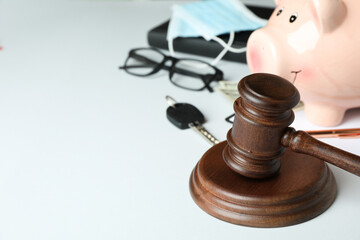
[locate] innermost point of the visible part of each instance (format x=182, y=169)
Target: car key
x=184, y=116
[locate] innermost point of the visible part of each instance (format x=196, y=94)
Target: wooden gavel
x=267, y=174
x=260, y=132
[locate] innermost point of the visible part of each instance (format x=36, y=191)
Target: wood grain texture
x=267, y=174
x=262, y=114
x=253, y=178
x=303, y=188
x=302, y=142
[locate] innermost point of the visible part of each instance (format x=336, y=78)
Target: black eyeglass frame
x=207, y=79
x=229, y=119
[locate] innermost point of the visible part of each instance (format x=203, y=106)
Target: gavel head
x=262, y=113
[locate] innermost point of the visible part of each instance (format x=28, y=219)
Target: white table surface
x=86, y=151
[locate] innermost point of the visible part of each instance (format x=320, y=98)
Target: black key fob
x=182, y=114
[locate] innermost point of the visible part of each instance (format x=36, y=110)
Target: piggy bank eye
x=293, y=17
x=280, y=11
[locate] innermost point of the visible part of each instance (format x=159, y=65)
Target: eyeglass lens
x=192, y=74
x=143, y=61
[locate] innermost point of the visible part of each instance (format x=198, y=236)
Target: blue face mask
x=210, y=18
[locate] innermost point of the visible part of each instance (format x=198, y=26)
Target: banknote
x=230, y=91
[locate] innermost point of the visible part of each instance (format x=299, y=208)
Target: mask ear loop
x=171, y=47
x=225, y=50
x=227, y=47
x=170, y=39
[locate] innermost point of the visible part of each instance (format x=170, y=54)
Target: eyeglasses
x=189, y=74
x=230, y=119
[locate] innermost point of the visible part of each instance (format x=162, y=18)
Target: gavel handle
x=301, y=142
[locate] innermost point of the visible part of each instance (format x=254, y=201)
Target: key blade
x=199, y=128
x=171, y=101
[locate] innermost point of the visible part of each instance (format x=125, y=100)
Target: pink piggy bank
x=315, y=45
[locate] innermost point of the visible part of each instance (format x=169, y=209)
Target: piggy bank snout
x=263, y=53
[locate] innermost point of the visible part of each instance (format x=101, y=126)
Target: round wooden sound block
x=302, y=189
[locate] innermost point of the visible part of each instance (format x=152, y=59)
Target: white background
x=86, y=151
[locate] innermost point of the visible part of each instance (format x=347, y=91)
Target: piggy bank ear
x=277, y=2
x=328, y=14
